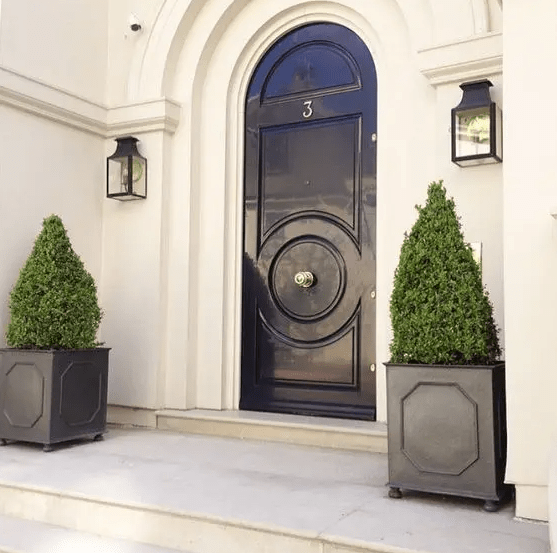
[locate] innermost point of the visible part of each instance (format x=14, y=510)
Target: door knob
x=304, y=279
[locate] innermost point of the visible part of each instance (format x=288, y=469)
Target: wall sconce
x=126, y=171
x=476, y=127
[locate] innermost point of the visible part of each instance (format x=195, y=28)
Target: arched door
x=308, y=321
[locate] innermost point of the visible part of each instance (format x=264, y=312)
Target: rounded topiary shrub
x=440, y=311
x=53, y=304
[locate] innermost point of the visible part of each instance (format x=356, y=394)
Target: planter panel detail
x=447, y=429
x=53, y=396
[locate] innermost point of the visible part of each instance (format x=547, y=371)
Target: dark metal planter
x=447, y=430
x=52, y=396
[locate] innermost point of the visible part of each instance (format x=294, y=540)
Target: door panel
x=331, y=69
x=291, y=183
x=308, y=318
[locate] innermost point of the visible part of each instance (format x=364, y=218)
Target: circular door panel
x=307, y=278
x=307, y=264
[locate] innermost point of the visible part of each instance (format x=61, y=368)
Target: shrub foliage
x=440, y=311
x=54, y=302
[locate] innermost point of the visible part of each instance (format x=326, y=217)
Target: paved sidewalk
x=295, y=488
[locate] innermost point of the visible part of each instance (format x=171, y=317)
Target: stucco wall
x=57, y=42
x=46, y=168
x=52, y=84
x=132, y=286
x=530, y=245
x=123, y=44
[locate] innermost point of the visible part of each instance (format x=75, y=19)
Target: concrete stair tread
x=344, y=434
x=208, y=494
x=27, y=536
x=280, y=419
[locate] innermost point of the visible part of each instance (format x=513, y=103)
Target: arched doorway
x=308, y=313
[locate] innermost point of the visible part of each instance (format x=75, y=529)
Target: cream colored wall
x=51, y=154
x=530, y=246
x=132, y=285
x=46, y=168
x=123, y=44
x=57, y=42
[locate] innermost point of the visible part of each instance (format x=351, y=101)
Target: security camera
x=134, y=23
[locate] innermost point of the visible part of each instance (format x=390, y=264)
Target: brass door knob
x=304, y=279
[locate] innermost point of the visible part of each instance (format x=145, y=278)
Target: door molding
x=214, y=149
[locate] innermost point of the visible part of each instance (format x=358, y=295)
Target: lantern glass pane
x=139, y=176
x=117, y=175
x=499, y=133
x=473, y=132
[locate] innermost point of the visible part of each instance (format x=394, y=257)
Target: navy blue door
x=308, y=321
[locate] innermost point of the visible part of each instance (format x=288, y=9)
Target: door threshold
x=343, y=434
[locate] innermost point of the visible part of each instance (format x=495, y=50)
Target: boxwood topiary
x=440, y=311
x=53, y=304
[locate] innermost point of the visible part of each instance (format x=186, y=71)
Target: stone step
x=85, y=523
x=27, y=536
x=206, y=494
x=348, y=435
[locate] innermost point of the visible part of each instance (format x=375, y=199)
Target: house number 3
x=308, y=110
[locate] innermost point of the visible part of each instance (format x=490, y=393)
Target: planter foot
x=47, y=448
x=3, y=441
x=395, y=493
x=491, y=506
x=98, y=438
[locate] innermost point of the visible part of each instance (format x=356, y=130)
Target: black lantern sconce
x=476, y=127
x=126, y=171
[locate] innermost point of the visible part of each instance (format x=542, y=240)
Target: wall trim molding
x=473, y=58
x=43, y=100
x=161, y=114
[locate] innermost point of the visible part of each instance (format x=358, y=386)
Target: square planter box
x=52, y=396
x=447, y=430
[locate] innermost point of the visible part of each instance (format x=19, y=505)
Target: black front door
x=308, y=322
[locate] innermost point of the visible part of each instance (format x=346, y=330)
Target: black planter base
x=447, y=431
x=395, y=493
x=52, y=396
x=51, y=447
x=490, y=505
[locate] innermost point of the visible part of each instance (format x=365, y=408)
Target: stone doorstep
x=27, y=536
x=146, y=529
x=203, y=494
x=349, y=435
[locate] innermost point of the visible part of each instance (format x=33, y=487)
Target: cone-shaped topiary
x=440, y=312
x=54, y=302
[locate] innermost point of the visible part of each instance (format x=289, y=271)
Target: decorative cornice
x=43, y=100
x=153, y=115
x=474, y=58
x=38, y=98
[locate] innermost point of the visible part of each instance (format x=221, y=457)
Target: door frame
x=203, y=168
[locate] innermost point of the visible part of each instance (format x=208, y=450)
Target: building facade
x=170, y=268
